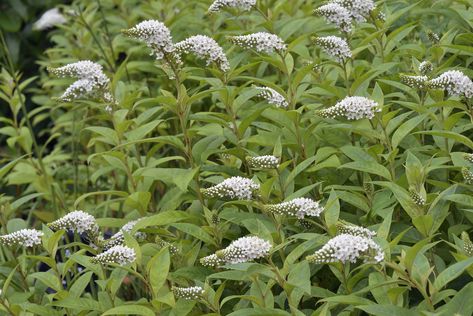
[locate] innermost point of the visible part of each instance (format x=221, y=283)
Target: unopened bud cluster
x=243, y=249
x=417, y=198
x=468, y=157
x=417, y=82
x=188, y=293
x=244, y=5
x=467, y=175
x=234, y=188
x=161, y=243
x=299, y=207
x=24, y=238
x=467, y=244
x=350, y=229
x=263, y=162
x=120, y=255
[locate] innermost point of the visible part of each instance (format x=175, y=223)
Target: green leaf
x=452, y=272
x=158, y=269
x=405, y=129
x=130, y=310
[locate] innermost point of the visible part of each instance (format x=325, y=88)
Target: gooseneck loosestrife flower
x=272, y=97
x=335, y=46
x=263, y=162
x=119, y=237
x=120, y=255
x=352, y=108
x=244, y=5
x=50, y=18
x=188, y=293
x=348, y=248
x=467, y=244
x=204, y=48
x=358, y=9
x=350, y=229
x=234, y=188
x=417, y=82
x=92, y=83
x=156, y=36
x=337, y=15
x=299, y=207
x=262, y=42
x=76, y=221
x=243, y=249
x=24, y=238
x=455, y=82
x=426, y=67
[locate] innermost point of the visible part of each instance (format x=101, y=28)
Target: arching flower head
x=244, y=5
x=121, y=255
x=262, y=42
x=76, y=221
x=234, y=188
x=188, y=293
x=244, y=249
x=204, y=48
x=263, y=162
x=24, y=238
x=352, y=108
x=337, y=15
x=335, y=46
x=299, y=207
x=455, y=82
x=348, y=248
x=92, y=83
x=350, y=229
x=272, y=97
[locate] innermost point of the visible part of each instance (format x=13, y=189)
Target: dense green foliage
x=169, y=131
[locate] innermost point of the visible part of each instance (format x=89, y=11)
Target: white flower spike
x=25, y=238
x=262, y=42
x=204, y=48
x=335, y=46
x=234, y=188
x=120, y=255
x=272, y=97
x=348, y=248
x=244, y=5
x=352, y=108
x=299, y=207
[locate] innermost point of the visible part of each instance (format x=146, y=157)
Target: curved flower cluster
x=417, y=198
x=92, y=82
x=121, y=255
x=156, y=36
x=299, y=207
x=76, y=221
x=337, y=15
x=467, y=175
x=244, y=5
x=350, y=229
x=262, y=42
x=263, y=162
x=237, y=188
x=468, y=157
x=348, y=248
x=335, y=46
x=353, y=108
x=205, y=48
x=467, y=244
x=24, y=238
x=119, y=237
x=358, y=9
x=244, y=249
x=426, y=67
x=188, y=293
x=433, y=37
x=272, y=97
x=161, y=243
x=418, y=82
x=455, y=82
x=212, y=261
x=49, y=19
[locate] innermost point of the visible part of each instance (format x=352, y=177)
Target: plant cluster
x=240, y=157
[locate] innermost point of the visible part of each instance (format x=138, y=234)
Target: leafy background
x=159, y=146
